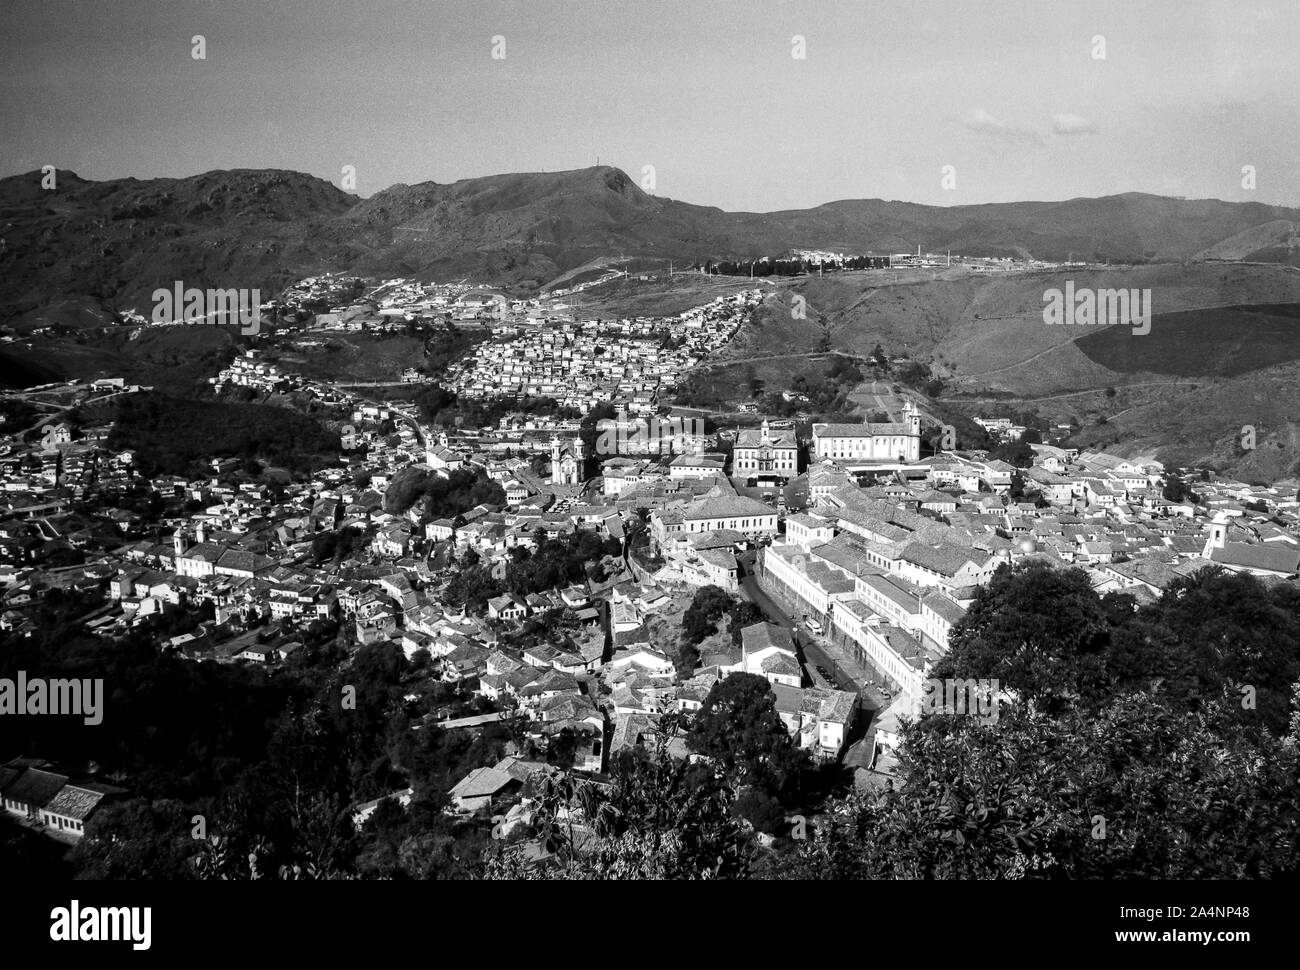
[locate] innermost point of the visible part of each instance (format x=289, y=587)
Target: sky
x=943, y=102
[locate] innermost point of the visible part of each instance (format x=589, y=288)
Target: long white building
x=894, y=441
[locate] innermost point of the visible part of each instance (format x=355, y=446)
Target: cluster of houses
x=886, y=571
x=582, y=364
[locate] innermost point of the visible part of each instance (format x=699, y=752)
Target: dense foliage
x=554, y=563
x=175, y=436
x=1152, y=741
x=443, y=496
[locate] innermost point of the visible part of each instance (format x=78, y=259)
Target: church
x=864, y=444
x=566, y=463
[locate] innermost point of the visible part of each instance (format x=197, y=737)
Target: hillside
x=1273, y=242
x=1223, y=352
x=175, y=359
x=90, y=246
x=86, y=247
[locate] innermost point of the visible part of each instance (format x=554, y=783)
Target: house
x=366, y=809
x=439, y=529
x=507, y=606
x=696, y=466
x=712, y=513
x=476, y=790
x=68, y=811
x=819, y=718
x=768, y=651
x=29, y=787
x=806, y=530
x=444, y=459
x=641, y=657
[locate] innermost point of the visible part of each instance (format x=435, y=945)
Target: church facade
x=893, y=441
x=566, y=463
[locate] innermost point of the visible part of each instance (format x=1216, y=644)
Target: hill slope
x=89, y=246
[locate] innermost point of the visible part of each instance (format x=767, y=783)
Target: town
x=589, y=597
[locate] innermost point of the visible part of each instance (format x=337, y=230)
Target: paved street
x=847, y=673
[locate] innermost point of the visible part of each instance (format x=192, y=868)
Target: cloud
x=1067, y=124
x=984, y=123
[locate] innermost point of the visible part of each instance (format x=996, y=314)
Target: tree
x=1135, y=790
x=1176, y=490
x=138, y=839
x=743, y=614
x=1226, y=636
x=761, y=810
x=1038, y=631
x=738, y=726
x=701, y=618
x=663, y=819
x=1017, y=453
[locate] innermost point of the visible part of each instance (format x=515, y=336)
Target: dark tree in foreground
x=1136, y=791
x=739, y=728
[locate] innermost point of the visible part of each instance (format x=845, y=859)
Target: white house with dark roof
x=768, y=651
x=736, y=512
x=67, y=812
x=819, y=718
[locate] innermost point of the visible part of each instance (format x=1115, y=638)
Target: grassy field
x=1222, y=342
x=354, y=357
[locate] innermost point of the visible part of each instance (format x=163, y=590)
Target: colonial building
x=764, y=456
x=894, y=441
x=566, y=463
x=747, y=516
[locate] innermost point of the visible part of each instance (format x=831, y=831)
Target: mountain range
x=69, y=253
